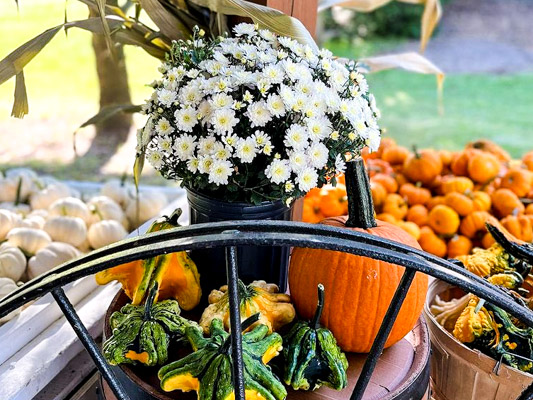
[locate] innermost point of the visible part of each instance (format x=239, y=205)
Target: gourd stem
x=19, y=189
x=320, y=306
x=173, y=219
x=150, y=301
x=360, y=205
x=225, y=348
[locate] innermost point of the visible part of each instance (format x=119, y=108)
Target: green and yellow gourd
x=141, y=334
x=208, y=370
x=311, y=355
x=176, y=273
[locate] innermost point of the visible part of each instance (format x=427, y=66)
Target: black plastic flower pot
x=255, y=262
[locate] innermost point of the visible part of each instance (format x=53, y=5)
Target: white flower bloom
x=193, y=164
x=267, y=35
x=340, y=165
x=221, y=151
x=246, y=150
x=186, y=119
x=163, y=127
x=307, y=179
x=244, y=29
x=278, y=171
x=298, y=160
x=319, y=128
x=274, y=73
x=291, y=69
x=300, y=102
x=374, y=139
x=261, y=138
x=184, y=146
x=258, y=113
x=289, y=186
x=220, y=171
x=264, y=86
x=165, y=144
x=155, y=158
x=190, y=94
x=230, y=140
x=206, y=145
x=304, y=87
x=204, y=111
x=296, y=137
x=275, y=105
x=166, y=97
x=334, y=135
x=318, y=155
x=267, y=149
x=221, y=100
x=287, y=95
x=248, y=97
x=224, y=120
x=204, y=164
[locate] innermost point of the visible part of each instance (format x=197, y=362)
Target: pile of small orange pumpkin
x=441, y=198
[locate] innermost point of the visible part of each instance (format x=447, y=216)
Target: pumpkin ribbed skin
x=360, y=290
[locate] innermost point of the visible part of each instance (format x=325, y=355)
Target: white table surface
x=38, y=343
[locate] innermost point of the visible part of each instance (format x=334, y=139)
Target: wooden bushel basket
x=460, y=373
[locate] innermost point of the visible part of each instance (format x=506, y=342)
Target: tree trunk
x=114, y=89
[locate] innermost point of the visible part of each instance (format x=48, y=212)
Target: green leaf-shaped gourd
x=311, y=355
x=142, y=333
x=208, y=370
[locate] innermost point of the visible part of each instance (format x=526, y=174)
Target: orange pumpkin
x=459, y=165
x=490, y=147
x=446, y=157
x=461, y=203
x=379, y=193
x=391, y=219
x=505, y=202
x=334, y=202
x=435, y=201
x=387, y=181
x=311, y=210
x=474, y=224
x=422, y=166
x=527, y=160
x=400, y=179
x=418, y=214
x=414, y=194
x=444, y=220
x=376, y=166
x=517, y=180
x=431, y=242
x=459, y=184
x=529, y=209
x=519, y=226
x=411, y=228
x=395, y=154
x=359, y=287
x=395, y=205
x=481, y=200
x=483, y=167
x=459, y=245
x=487, y=240
x=385, y=143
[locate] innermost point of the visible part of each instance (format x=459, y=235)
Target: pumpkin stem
x=320, y=306
x=19, y=189
x=173, y=219
x=415, y=150
x=123, y=179
x=360, y=206
x=150, y=301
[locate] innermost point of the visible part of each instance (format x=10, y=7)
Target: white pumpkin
x=7, y=286
x=85, y=247
x=20, y=208
x=71, y=230
x=10, y=184
x=29, y=240
x=117, y=190
x=31, y=221
x=70, y=207
x=38, y=213
x=45, y=197
x=12, y=262
x=105, y=232
x=149, y=205
x=8, y=221
x=103, y=207
x=51, y=256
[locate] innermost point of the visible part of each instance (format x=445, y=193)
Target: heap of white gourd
x=44, y=223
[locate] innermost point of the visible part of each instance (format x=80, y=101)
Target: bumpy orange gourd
x=395, y=205
x=517, y=180
x=360, y=288
x=461, y=203
x=444, y=220
x=418, y=214
x=431, y=242
x=459, y=184
x=490, y=147
x=414, y=194
x=483, y=167
x=435, y=201
x=387, y=181
x=474, y=224
x=422, y=166
x=459, y=165
x=519, y=226
x=482, y=201
x=459, y=245
x=395, y=155
x=334, y=201
x=505, y=202
x=379, y=193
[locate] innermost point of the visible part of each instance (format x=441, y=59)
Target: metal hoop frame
x=230, y=234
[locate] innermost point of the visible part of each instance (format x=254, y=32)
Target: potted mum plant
x=249, y=123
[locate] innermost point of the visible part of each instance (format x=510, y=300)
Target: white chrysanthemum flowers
x=266, y=115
